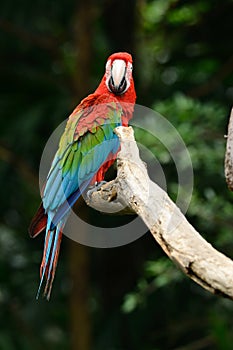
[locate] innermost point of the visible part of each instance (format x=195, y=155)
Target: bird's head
x=118, y=74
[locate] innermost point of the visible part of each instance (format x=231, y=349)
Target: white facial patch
x=116, y=71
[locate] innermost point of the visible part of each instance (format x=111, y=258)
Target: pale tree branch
x=181, y=242
x=229, y=154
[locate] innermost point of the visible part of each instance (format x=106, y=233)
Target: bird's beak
x=118, y=81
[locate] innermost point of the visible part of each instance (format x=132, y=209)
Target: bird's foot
x=95, y=188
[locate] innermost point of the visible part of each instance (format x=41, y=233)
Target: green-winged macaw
x=86, y=150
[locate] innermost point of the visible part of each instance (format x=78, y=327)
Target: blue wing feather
x=71, y=172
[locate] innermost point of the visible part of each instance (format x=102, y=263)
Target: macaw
x=87, y=148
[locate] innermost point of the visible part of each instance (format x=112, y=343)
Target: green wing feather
x=85, y=145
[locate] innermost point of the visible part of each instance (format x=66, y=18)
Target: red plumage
x=39, y=221
x=122, y=92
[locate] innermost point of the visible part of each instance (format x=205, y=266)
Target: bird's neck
x=127, y=100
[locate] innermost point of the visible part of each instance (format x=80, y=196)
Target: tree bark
x=229, y=154
x=181, y=242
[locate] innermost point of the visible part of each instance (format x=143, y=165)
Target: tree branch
x=181, y=242
x=229, y=154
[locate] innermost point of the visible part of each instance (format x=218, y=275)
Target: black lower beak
x=118, y=89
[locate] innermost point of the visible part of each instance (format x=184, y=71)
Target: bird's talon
x=95, y=188
x=99, y=184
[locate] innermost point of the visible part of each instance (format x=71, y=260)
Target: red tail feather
x=38, y=223
x=50, y=271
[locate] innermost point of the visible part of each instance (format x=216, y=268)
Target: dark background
x=132, y=297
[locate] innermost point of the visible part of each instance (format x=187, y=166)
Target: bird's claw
x=95, y=188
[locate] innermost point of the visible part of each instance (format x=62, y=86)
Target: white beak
x=118, y=72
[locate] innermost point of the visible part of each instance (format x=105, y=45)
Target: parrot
x=86, y=150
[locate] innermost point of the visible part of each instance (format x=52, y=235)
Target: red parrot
x=87, y=148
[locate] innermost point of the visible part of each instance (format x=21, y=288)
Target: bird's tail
x=50, y=258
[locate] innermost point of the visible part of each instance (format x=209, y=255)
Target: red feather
x=39, y=222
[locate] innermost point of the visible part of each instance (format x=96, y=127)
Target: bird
x=87, y=148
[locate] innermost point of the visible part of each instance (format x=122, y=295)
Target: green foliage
x=157, y=274
x=183, y=70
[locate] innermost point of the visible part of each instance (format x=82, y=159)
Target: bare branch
x=181, y=242
x=107, y=200
x=229, y=154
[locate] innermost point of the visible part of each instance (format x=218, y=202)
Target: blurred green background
x=132, y=297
